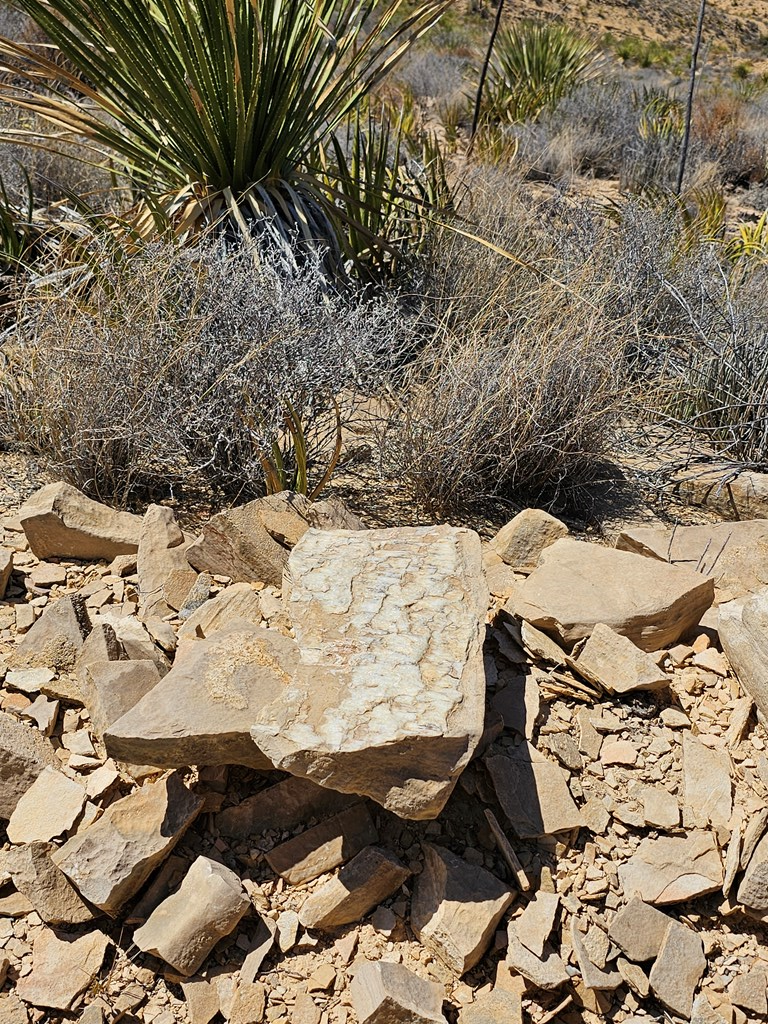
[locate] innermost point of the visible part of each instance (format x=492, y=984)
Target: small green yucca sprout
x=536, y=64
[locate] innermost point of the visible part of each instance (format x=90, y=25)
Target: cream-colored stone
x=50, y=807
x=62, y=968
x=521, y=542
x=616, y=664
x=672, y=870
x=238, y=602
x=61, y=522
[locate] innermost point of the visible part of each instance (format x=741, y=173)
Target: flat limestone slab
x=201, y=712
x=388, y=699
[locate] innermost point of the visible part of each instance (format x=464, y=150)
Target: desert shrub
x=181, y=365
x=732, y=132
x=431, y=74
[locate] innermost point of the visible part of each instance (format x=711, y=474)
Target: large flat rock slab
x=24, y=755
x=202, y=711
x=578, y=585
x=388, y=699
x=743, y=631
x=61, y=522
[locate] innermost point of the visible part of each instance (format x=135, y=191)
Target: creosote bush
x=179, y=365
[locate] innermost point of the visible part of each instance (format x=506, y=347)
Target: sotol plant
x=214, y=109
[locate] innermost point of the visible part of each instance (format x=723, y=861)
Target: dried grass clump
x=178, y=365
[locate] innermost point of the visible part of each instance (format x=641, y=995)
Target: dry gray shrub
x=176, y=365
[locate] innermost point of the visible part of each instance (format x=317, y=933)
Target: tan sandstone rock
x=24, y=754
x=678, y=969
x=61, y=522
x=238, y=602
x=578, y=585
x=50, y=807
x=62, y=968
x=46, y=887
x=6, y=567
x=388, y=700
x=521, y=542
x=114, y=687
x=370, y=877
x=672, y=870
x=57, y=636
x=743, y=631
x=386, y=993
x=616, y=664
x=161, y=552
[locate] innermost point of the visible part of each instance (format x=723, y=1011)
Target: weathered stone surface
x=100, y=645
x=660, y=808
x=456, y=907
x=283, y=806
x=547, y=971
x=578, y=585
x=735, y=555
x=497, y=1007
x=370, y=877
x=162, y=551
x=703, y=1012
x=389, y=698
x=743, y=630
x=62, y=968
x=384, y=993
x=615, y=663
x=6, y=568
x=238, y=602
x=202, y=998
x=177, y=586
x=114, y=687
x=535, y=924
x=185, y=927
x=50, y=807
x=24, y=753
x=46, y=887
x=741, y=495
x=111, y=859
x=225, y=682
x=533, y=792
x=521, y=542
x=12, y=1010
x=706, y=783
x=61, y=522
x=671, y=870
x=753, y=891
x=134, y=639
x=249, y=1003
x=324, y=847
x=678, y=969
x=56, y=638
x=592, y=976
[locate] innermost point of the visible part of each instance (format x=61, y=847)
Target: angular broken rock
x=616, y=664
x=456, y=907
x=546, y=971
x=496, y=1007
x=592, y=976
x=50, y=807
x=111, y=859
x=201, y=712
x=46, y=887
x=753, y=891
x=388, y=700
x=370, y=877
x=134, y=641
x=324, y=847
x=533, y=792
x=6, y=567
x=61, y=522
x=24, y=753
x=240, y=601
x=578, y=585
x=671, y=870
x=386, y=993
x=114, y=687
x=185, y=927
x=706, y=782
x=56, y=638
x=534, y=925
x=162, y=550
x=62, y=968
x=521, y=542
x=678, y=969
x=639, y=929
x=283, y=806
x=743, y=631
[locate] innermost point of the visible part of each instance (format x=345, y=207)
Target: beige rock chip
x=671, y=870
x=185, y=927
x=324, y=847
x=616, y=664
x=535, y=924
x=370, y=877
x=202, y=999
x=521, y=542
x=678, y=969
x=389, y=698
x=456, y=907
x=56, y=638
x=734, y=555
x=100, y=645
x=114, y=687
x=62, y=968
x=660, y=808
x=743, y=630
x=578, y=585
x=61, y=522
x=546, y=971
x=249, y=1003
x=592, y=976
x=50, y=807
x=111, y=859
x=134, y=639
x=702, y=1012
x=12, y=1010
x=283, y=806
x=48, y=889
x=706, y=783
x=496, y=1007
x=6, y=568
x=162, y=551
x=753, y=891
x=533, y=792
x=24, y=753
x=238, y=602
x=226, y=681
x=749, y=991
x=387, y=993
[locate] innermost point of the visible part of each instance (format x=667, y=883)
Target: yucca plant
x=534, y=65
x=213, y=109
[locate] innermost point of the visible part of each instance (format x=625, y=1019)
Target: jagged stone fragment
x=324, y=847
x=672, y=870
x=370, y=877
x=385, y=993
x=283, y=806
x=46, y=887
x=521, y=541
x=61, y=522
x=50, y=807
x=161, y=552
x=57, y=636
x=62, y=968
x=24, y=753
x=678, y=969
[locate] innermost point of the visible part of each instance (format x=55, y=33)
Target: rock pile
x=296, y=770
